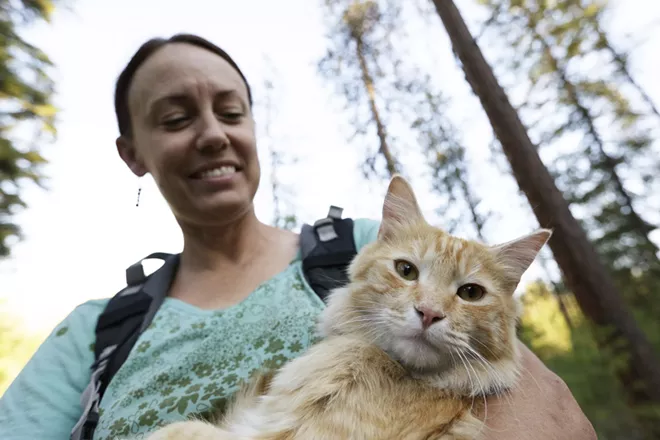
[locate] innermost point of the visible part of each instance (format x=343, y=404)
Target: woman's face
x=193, y=132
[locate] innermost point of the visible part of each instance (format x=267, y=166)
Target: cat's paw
x=189, y=430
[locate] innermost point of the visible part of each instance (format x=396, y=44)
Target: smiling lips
x=220, y=171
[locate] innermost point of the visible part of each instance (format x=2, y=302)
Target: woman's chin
x=219, y=210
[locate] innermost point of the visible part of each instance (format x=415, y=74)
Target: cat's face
x=431, y=300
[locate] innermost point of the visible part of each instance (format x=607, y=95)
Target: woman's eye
x=174, y=123
x=232, y=116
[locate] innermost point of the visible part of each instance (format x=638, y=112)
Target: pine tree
x=551, y=44
x=585, y=275
x=26, y=92
x=391, y=96
x=447, y=158
x=358, y=35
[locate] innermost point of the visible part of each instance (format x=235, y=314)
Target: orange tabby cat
x=425, y=326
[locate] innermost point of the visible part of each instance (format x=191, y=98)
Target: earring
x=137, y=203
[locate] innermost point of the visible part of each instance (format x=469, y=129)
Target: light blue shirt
x=189, y=360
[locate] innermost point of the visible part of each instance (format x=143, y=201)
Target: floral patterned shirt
x=189, y=361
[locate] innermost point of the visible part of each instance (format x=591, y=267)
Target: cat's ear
x=400, y=207
x=517, y=255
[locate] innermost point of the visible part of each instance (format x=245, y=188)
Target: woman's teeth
x=216, y=172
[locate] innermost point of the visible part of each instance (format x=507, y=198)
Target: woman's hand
x=541, y=407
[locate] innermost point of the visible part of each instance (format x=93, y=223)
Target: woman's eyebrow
x=173, y=98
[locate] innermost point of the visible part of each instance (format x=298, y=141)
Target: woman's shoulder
x=365, y=230
x=82, y=317
x=90, y=307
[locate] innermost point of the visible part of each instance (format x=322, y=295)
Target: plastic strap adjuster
x=325, y=229
x=89, y=400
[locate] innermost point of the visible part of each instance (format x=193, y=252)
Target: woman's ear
x=128, y=153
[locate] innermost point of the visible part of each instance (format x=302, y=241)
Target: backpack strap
x=125, y=317
x=327, y=248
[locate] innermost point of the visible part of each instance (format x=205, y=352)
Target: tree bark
x=585, y=275
x=368, y=81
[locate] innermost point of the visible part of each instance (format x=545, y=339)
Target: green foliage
x=361, y=63
x=552, y=43
x=25, y=105
x=446, y=157
x=16, y=347
x=580, y=361
x=600, y=146
x=397, y=106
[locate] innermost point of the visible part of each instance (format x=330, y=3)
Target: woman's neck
x=229, y=244
x=219, y=267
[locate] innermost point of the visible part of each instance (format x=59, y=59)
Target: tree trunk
x=585, y=275
x=564, y=311
x=368, y=81
x=472, y=205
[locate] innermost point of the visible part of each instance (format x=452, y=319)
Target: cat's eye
x=406, y=270
x=471, y=292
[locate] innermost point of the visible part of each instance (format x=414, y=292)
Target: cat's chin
x=469, y=379
x=446, y=369
x=418, y=355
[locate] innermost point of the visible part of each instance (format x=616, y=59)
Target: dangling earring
x=137, y=203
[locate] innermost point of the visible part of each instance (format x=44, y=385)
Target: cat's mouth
x=422, y=353
x=425, y=335
x=423, y=341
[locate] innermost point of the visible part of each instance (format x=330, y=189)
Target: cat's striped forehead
x=436, y=245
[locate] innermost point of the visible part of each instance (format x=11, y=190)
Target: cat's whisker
x=502, y=392
x=376, y=330
x=452, y=349
x=489, y=369
x=483, y=425
x=473, y=339
x=467, y=370
x=483, y=361
x=482, y=388
x=451, y=353
x=498, y=385
x=487, y=364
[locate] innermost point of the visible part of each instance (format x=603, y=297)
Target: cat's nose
x=428, y=316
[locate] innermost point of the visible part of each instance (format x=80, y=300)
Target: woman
x=238, y=300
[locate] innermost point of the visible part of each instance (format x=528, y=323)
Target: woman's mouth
x=221, y=171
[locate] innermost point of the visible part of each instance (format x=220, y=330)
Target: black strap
x=327, y=249
x=125, y=317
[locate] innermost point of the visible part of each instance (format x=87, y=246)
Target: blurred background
x=348, y=92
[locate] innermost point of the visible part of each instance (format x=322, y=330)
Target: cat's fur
x=378, y=374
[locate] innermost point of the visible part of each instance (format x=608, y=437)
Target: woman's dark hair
x=143, y=53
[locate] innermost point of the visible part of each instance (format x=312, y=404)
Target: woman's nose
x=212, y=135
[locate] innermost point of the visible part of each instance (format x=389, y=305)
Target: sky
x=83, y=232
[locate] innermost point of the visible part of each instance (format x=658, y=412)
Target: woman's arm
x=44, y=400
x=541, y=407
